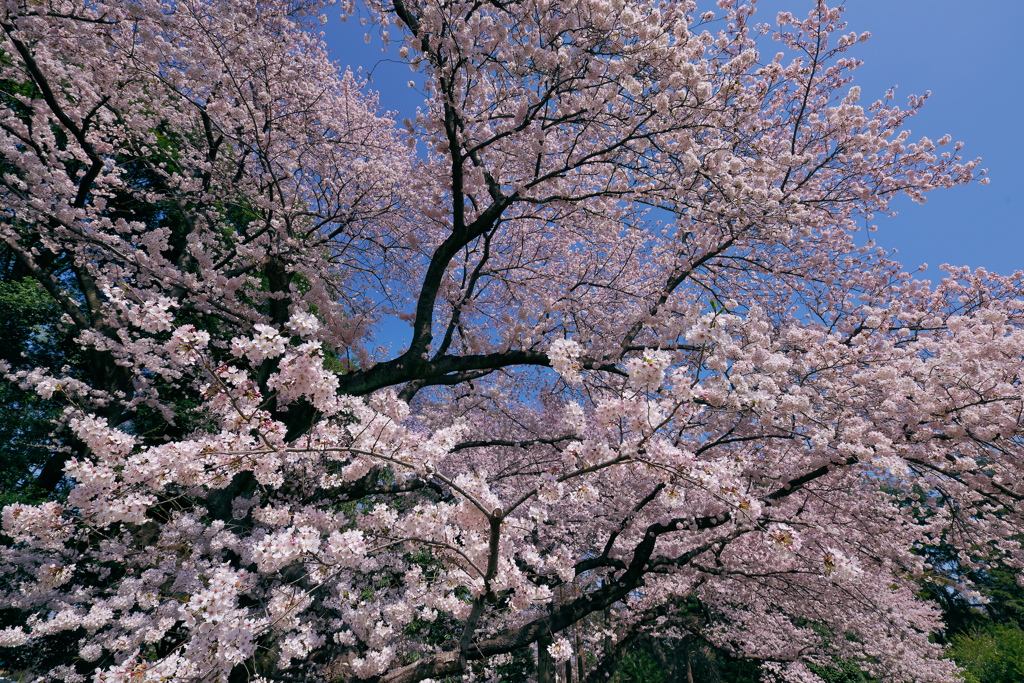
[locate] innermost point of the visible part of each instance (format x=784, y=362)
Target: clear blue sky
x=968, y=53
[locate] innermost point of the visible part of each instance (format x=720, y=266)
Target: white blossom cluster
x=564, y=355
x=647, y=371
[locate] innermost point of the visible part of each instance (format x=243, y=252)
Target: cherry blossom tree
x=649, y=364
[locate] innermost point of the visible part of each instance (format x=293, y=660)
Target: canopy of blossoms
x=650, y=358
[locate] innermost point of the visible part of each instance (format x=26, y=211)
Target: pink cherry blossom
x=648, y=363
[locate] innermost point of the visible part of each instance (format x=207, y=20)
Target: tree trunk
x=545, y=668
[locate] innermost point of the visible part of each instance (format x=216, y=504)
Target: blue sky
x=967, y=53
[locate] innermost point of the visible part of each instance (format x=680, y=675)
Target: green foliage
x=1004, y=598
x=991, y=655
x=985, y=636
x=31, y=335
x=639, y=667
x=692, y=660
x=25, y=425
x=659, y=661
x=32, y=332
